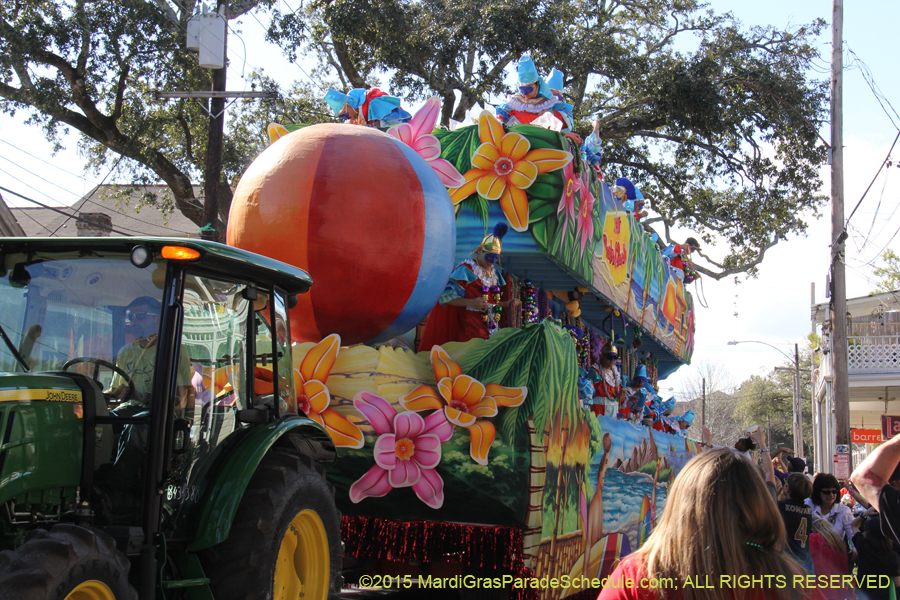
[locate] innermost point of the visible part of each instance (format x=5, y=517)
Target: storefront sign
x=890, y=426
x=865, y=436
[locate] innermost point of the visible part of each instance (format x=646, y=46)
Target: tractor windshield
x=79, y=312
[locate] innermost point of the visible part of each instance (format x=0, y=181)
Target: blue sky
x=774, y=307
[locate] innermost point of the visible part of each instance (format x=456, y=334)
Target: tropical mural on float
x=490, y=431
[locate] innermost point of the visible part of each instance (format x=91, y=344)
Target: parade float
x=472, y=457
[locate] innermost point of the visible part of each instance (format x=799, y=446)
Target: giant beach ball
x=364, y=215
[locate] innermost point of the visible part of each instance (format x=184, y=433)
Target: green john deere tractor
x=150, y=444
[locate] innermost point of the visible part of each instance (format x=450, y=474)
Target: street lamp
x=797, y=413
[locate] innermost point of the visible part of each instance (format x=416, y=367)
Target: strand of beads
x=492, y=315
x=529, y=303
x=584, y=351
x=496, y=309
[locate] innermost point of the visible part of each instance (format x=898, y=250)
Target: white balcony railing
x=873, y=354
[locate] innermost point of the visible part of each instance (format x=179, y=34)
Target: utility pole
x=214, y=146
x=210, y=40
x=838, y=233
x=798, y=407
x=703, y=405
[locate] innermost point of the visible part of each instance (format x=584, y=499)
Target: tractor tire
x=67, y=563
x=285, y=542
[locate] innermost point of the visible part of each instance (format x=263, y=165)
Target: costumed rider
x=654, y=407
x=591, y=151
x=367, y=107
x=585, y=382
x=635, y=405
x=538, y=102
x=661, y=411
x=680, y=424
x=608, y=392
x=629, y=195
x=679, y=257
x=467, y=309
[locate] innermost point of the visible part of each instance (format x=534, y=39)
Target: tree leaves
x=458, y=146
x=723, y=138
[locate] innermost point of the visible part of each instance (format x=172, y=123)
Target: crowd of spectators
x=749, y=512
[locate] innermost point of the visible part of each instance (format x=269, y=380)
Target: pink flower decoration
x=417, y=135
x=567, y=202
x=586, y=212
x=406, y=452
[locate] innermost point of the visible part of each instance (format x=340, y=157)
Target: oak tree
x=716, y=122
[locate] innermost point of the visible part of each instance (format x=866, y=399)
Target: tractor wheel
x=70, y=562
x=285, y=541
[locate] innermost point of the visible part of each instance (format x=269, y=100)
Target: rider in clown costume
x=536, y=97
x=367, y=107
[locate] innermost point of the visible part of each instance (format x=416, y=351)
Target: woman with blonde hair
x=829, y=554
x=720, y=537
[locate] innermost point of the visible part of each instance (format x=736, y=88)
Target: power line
x=883, y=163
x=293, y=62
x=25, y=213
x=871, y=263
x=887, y=176
x=46, y=162
x=29, y=186
x=86, y=200
x=62, y=212
x=870, y=81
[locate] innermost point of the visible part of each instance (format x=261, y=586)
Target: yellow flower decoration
x=314, y=399
x=503, y=167
x=276, y=132
x=463, y=400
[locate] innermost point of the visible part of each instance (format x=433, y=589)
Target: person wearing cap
x=786, y=466
x=535, y=99
x=626, y=192
x=608, y=391
x=463, y=312
x=138, y=357
x=367, y=107
x=661, y=413
x=635, y=405
x=683, y=422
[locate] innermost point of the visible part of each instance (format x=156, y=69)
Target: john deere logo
x=61, y=396
x=49, y=395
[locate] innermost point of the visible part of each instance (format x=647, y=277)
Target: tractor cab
x=143, y=385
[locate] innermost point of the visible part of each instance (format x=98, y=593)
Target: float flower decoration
x=503, y=167
x=407, y=451
x=314, y=399
x=417, y=135
x=566, y=206
x=465, y=401
x=585, y=223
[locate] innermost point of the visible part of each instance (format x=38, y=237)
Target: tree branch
x=743, y=268
x=347, y=65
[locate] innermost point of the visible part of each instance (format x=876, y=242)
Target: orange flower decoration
x=314, y=399
x=464, y=400
x=503, y=167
